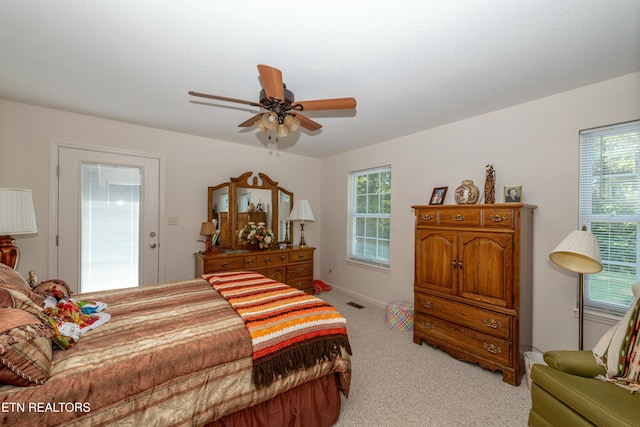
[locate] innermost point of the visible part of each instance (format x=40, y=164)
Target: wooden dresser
x=473, y=283
x=293, y=266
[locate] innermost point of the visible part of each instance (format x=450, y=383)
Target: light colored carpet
x=398, y=383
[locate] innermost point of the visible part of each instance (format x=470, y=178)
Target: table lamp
x=301, y=212
x=579, y=252
x=209, y=229
x=17, y=216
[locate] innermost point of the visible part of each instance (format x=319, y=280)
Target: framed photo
x=437, y=197
x=513, y=193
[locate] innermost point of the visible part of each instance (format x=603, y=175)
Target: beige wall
x=191, y=164
x=534, y=144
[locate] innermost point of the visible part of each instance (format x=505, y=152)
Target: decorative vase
x=467, y=193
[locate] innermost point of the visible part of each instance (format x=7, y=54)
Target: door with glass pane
x=107, y=219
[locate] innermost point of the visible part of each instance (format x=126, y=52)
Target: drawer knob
x=300, y=256
x=427, y=304
x=497, y=218
x=457, y=217
x=225, y=264
x=428, y=325
x=492, y=323
x=267, y=260
x=427, y=217
x=249, y=262
x=283, y=257
x=491, y=348
x=300, y=270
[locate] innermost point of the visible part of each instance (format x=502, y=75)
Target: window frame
x=355, y=239
x=610, y=286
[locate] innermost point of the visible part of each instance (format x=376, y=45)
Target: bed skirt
x=313, y=404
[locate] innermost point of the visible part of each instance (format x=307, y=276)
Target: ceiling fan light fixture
x=282, y=131
x=269, y=120
x=292, y=123
x=261, y=126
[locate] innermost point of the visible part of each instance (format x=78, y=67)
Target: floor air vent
x=355, y=304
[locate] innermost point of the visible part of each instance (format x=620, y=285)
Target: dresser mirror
x=249, y=198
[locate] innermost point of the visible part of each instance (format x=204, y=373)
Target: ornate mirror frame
x=275, y=203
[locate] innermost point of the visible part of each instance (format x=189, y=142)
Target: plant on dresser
x=473, y=283
x=293, y=265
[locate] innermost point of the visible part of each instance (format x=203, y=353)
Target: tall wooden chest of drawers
x=293, y=266
x=473, y=283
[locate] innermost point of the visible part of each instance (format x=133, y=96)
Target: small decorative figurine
x=490, y=185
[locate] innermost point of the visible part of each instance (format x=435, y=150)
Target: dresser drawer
x=498, y=218
x=299, y=270
x=222, y=264
x=271, y=259
x=301, y=283
x=486, y=346
x=487, y=321
x=426, y=217
x=301, y=255
x=459, y=217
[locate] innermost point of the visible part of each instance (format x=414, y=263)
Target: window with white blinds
x=610, y=209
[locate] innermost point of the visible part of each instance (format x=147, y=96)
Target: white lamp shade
x=578, y=252
x=301, y=211
x=17, y=213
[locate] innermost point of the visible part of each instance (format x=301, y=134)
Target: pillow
x=9, y=275
x=25, y=348
x=618, y=351
x=12, y=296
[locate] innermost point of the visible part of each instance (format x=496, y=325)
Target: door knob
x=153, y=245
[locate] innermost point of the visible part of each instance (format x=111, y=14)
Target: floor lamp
x=301, y=212
x=579, y=252
x=17, y=216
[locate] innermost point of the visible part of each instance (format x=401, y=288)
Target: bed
x=189, y=353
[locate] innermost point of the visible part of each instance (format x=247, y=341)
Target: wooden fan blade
x=252, y=121
x=224, y=98
x=307, y=123
x=327, y=104
x=271, y=79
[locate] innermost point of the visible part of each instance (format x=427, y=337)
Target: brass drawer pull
x=300, y=270
x=225, y=264
x=427, y=304
x=497, y=218
x=283, y=257
x=267, y=260
x=427, y=217
x=300, y=256
x=428, y=325
x=491, y=348
x=457, y=217
x=249, y=262
x=492, y=323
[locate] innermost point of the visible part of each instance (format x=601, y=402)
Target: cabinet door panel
x=436, y=271
x=487, y=267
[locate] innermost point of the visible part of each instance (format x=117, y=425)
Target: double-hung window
x=370, y=214
x=610, y=209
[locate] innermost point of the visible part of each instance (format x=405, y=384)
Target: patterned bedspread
x=289, y=329
x=172, y=354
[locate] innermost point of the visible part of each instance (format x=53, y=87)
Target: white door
x=108, y=218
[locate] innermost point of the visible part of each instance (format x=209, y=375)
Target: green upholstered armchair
x=565, y=393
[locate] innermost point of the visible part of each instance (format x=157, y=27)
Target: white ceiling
x=411, y=65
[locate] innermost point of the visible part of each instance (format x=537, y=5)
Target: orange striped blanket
x=289, y=329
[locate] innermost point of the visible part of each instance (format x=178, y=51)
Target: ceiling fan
x=283, y=112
